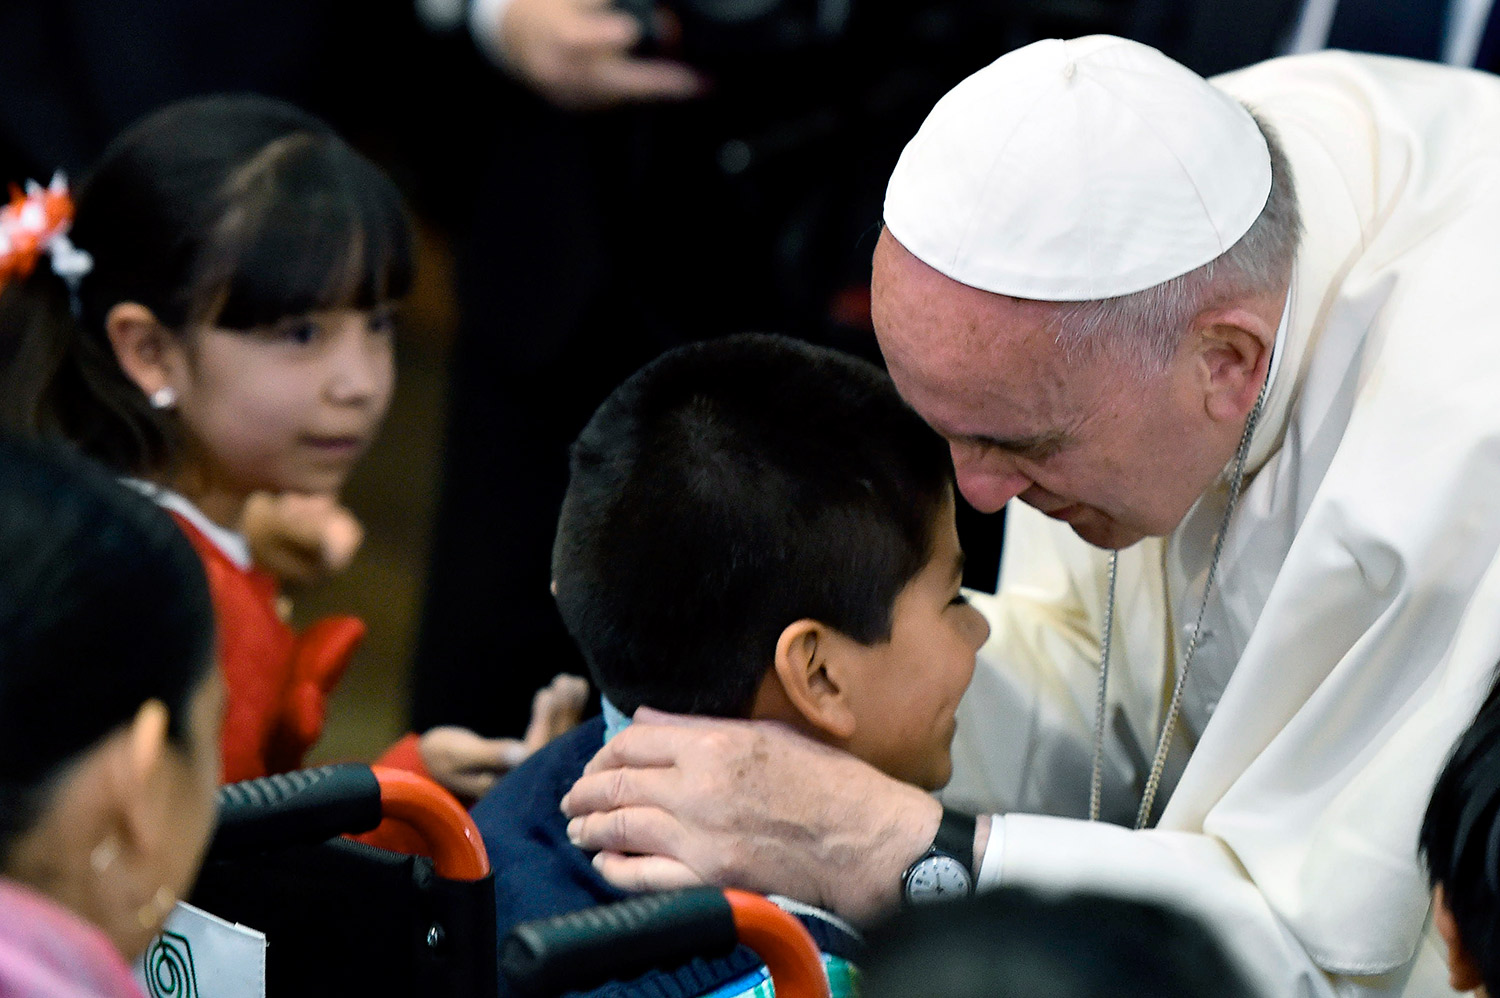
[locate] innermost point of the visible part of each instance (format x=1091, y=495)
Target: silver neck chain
x=1169, y=723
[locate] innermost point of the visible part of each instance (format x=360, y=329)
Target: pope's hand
x=576, y=53
x=672, y=801
x=300, y=538
x=468, y=764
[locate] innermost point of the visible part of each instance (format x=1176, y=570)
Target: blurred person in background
x=1460, y=842
x=76, y=73
x=110, y=708
x=1017, y=943
x=1212, y=37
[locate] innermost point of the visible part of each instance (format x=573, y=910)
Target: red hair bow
x=30, y=224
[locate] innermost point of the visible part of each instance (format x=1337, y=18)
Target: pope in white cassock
x=1252, y=467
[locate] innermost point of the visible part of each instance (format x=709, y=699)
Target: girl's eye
x=959, y=600
x=300, y=331
x=382, y=320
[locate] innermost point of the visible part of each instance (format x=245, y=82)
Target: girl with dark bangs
x=216, y=325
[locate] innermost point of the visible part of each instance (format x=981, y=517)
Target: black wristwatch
x=945, y=871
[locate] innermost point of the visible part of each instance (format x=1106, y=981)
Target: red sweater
x=278, y=681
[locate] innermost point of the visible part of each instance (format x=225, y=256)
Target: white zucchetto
x=1078, y=170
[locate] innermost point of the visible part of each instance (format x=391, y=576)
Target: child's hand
x=469, y=764
x=556, y=709
x=300, y=538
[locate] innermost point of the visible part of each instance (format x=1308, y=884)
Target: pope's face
x=1116, y=454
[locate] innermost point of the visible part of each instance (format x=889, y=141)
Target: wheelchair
x=342, y=917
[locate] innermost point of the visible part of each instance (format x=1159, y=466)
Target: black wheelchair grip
x=617, y=941
x=303, y=806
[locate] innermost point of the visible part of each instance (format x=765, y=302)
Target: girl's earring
x=104, y=854
x=164, y=398
x=155, y=911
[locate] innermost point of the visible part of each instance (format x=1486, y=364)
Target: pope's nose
x=986, y=487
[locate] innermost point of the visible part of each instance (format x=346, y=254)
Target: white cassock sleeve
x=1194, y=873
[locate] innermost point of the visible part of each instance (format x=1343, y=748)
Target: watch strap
x=955, y=836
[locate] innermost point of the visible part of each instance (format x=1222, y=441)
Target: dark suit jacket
x=1210, y=36
x=73, y=73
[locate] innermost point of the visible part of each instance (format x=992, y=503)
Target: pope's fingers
x=610, y=789
x=644, y=745
x=644, y=873
x=633, y=830
x=650, y=715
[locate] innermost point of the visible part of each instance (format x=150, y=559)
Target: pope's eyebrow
x=1036, y=448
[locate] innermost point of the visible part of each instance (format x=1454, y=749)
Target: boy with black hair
x=1460, y=841
x=1015, y=942
x=753, y=528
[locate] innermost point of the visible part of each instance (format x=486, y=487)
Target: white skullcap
x=1078, y=170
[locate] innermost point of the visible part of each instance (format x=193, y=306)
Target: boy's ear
x=813, y=677
x=1463, y=973
x=144, y=348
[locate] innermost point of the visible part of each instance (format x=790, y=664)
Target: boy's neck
x=616, y=720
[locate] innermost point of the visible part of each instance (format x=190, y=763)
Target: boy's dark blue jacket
x=539, y=873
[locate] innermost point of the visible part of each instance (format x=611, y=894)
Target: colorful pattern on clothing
x=843, y=982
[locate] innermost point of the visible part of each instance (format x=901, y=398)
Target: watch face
x=938, y=878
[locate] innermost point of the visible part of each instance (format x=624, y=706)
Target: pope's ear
x=146, y=350
x=1463, y=972
x=813, y=677
x=1233, y=350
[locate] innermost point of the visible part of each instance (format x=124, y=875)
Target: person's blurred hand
x=469, y=764
x=300, y=538
x=576, y=53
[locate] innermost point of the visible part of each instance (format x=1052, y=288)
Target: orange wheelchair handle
x=452, y=838
x=782, y=941
x=583, y=950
